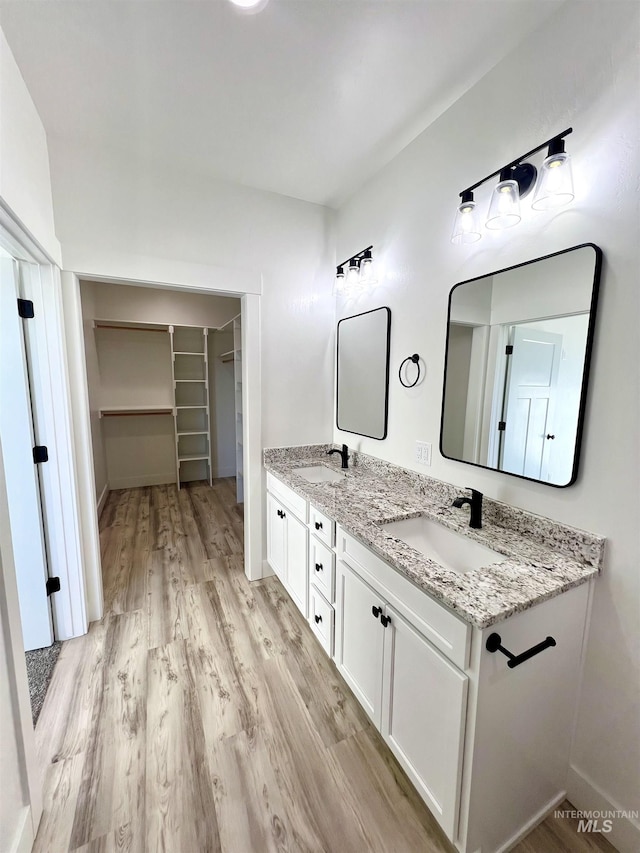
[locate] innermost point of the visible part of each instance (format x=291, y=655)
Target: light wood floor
x=200, y=714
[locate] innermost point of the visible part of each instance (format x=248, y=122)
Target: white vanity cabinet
x=322, y=562
x=287, y=541
x=413, y=694
x=485, y=743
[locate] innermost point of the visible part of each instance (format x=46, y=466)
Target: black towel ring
x=415, y=358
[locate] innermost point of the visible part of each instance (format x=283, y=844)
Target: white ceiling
x=308, y=98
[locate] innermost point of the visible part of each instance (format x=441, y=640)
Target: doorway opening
x=164, y=374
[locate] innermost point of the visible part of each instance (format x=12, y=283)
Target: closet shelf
x=130, y=327
x=193, y=432
x=124, y=411
x=192, y=407
x=181, y=352
x=191, y=380
x=193, y=458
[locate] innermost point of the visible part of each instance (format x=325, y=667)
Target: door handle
x=376, y=611
x=318, y=525
x=318, y=567
x=317, y=618
x=550, y=436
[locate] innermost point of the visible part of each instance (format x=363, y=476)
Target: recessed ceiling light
x=250, y=5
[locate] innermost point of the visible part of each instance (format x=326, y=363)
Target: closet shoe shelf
x=123, y=411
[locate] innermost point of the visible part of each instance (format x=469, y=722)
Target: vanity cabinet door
x=297, y=553
x=276, y=538
x=423, y=712
x=359, y=639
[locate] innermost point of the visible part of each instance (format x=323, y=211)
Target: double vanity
x=463, y=645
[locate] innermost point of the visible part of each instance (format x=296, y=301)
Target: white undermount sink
x=319, y=474
x=449, y=549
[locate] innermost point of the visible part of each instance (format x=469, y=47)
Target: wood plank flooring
x=201, y=716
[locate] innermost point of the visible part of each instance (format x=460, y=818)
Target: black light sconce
x=359, y=271
x=554, y=189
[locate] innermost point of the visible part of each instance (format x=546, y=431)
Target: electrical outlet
x=423, y=452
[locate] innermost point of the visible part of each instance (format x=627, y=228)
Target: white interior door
x=21, y=474
x=529, y=400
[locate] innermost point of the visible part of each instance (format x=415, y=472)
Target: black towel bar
x=494, y=642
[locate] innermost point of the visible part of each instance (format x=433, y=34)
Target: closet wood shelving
x=189, y=371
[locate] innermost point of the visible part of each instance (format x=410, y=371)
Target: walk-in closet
x=164, y=376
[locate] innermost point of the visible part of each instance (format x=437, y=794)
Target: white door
x=21, y=473
x=276, y=538
x=529, y=400
x=297, y=561
x=359, y=639
x=423, y=711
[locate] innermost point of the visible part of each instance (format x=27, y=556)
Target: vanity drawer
x=446, y=631
x=321, y=615
x=286, y=496
x=322, y=526
x=322, y=568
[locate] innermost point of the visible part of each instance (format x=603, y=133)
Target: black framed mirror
x=518, y=348
x=362, y=378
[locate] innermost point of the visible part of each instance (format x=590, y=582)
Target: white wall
x=580, y=70
x=120, y=218
x=222, y=400
x=25, y=186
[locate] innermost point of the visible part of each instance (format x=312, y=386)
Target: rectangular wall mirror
x=517, y=362
x=362, y=381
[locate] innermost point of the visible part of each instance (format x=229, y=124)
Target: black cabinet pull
x=317, y=618
x=318, y=567
x=494, y=644
x=550, y=436
x=385, y=620
x=376, y=611
x=318, y=525
x=282, y=514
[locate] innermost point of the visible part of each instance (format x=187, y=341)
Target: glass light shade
x=555, y=183
x=466, y=228
x=504, y=210
x=339, y=283
x=353, y=274
x=367, y=272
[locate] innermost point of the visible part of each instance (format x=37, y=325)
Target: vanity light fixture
x=516, y=180
x=466, y=228
x=359, y=272
x=555, y=185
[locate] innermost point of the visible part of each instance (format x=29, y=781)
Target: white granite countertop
x=542, y=558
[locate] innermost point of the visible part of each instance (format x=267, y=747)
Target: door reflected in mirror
x=362, y=381
x=517, y=363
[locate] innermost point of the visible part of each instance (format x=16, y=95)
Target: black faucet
x=344, y=454
x=475, y=502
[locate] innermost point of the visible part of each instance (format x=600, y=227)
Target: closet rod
x=129, y=328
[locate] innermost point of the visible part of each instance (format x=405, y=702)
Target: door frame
x=249, y=294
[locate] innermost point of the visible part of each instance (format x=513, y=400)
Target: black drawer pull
x=282, y=514
x=318, y=567
x=385, y=620
x=494, y=642
x=318, y=525
x=376, y=611
x=317, y=618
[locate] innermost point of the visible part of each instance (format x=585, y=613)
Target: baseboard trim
x=531, y=824
x=139, y=482
x=585, y=795
x=224, y=472
x=24, y=837
x=103, y=499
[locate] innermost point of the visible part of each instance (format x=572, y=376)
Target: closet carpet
x=40, y=664
x=201, y=715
